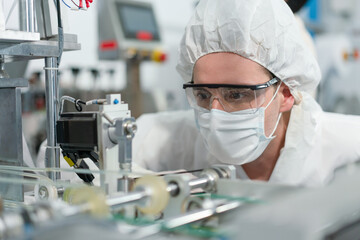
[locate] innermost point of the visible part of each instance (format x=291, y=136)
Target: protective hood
x=264, y=31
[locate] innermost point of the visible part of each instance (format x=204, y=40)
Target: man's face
x=229, y=68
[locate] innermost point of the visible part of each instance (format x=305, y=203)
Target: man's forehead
x=229, y=68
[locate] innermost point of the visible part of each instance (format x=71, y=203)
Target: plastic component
x=69, y=161
x=45, y=192
x=93, y=196
x=159, y=196
x=158, y=56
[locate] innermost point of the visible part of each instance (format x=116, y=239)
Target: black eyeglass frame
x=252, y=87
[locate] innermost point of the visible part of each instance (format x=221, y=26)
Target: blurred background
x=142, y=67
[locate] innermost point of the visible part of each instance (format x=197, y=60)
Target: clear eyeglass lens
x=232, y=99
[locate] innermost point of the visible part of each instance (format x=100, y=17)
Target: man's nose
x=216, y=104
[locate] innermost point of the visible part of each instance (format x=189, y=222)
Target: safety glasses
x=232, y=97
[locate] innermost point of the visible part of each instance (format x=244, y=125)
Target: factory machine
x=132, y=34
x=124, y=204
x=210, y=203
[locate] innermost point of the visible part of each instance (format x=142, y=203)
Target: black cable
x=78, y=106
x=58, y=13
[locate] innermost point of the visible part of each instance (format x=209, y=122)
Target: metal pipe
x=52, y=157
x=128, y=198
x=23, y=15
x=190, y=217
x=30, y=16
x=173, y=189
x=199, y=182
x=200, y=214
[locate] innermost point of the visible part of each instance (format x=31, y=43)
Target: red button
x=144, y=36
x=108, y=45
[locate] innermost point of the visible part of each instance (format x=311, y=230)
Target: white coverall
x=316, y=144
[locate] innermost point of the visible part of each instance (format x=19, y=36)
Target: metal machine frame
x=26, y=46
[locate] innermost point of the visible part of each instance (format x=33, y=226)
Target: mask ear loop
x=276, y=92
x=278, y=120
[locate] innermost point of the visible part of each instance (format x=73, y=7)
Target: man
x=248, y=75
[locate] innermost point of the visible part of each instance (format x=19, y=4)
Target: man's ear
x=287, y=99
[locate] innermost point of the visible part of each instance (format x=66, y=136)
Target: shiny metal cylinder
x=199, y=182
x=201, y=214
x=23, y=15
x=131, y=197
x=30, y=18
x=52, y=158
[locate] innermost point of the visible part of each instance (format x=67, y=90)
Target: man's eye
x=234, y=95
x=201, y=94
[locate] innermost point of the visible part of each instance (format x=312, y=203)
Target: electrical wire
x=66, y=4
x=75, y=4
x=77, y=103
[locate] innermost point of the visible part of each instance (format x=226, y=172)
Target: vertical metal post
x=27, y=16
x=23, y=15
x=52, y=157
x=30, y=15
x=133, y=89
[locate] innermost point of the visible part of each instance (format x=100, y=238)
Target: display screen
x=137, y=20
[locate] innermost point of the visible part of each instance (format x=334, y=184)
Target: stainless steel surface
x=52, y=158
x=200, y=214
x=30, y=16
x=199, y=182
x=11, y=151
x=173, y=189
x=122, y=133
x=13, y=82
x=23, y=15
x=46, y=19
x=128, y=198
x=16, y=69
x=20, y=50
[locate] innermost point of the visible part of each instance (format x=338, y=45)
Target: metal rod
x=30, y=15
x=200, y=214
x=52, y=157
x=128, y=198
x=23, y=15
x=198, y=182
x=173, y=189
x=186, y=218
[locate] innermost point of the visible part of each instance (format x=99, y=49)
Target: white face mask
x=237, y=137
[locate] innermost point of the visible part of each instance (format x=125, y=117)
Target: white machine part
x=115, y=109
